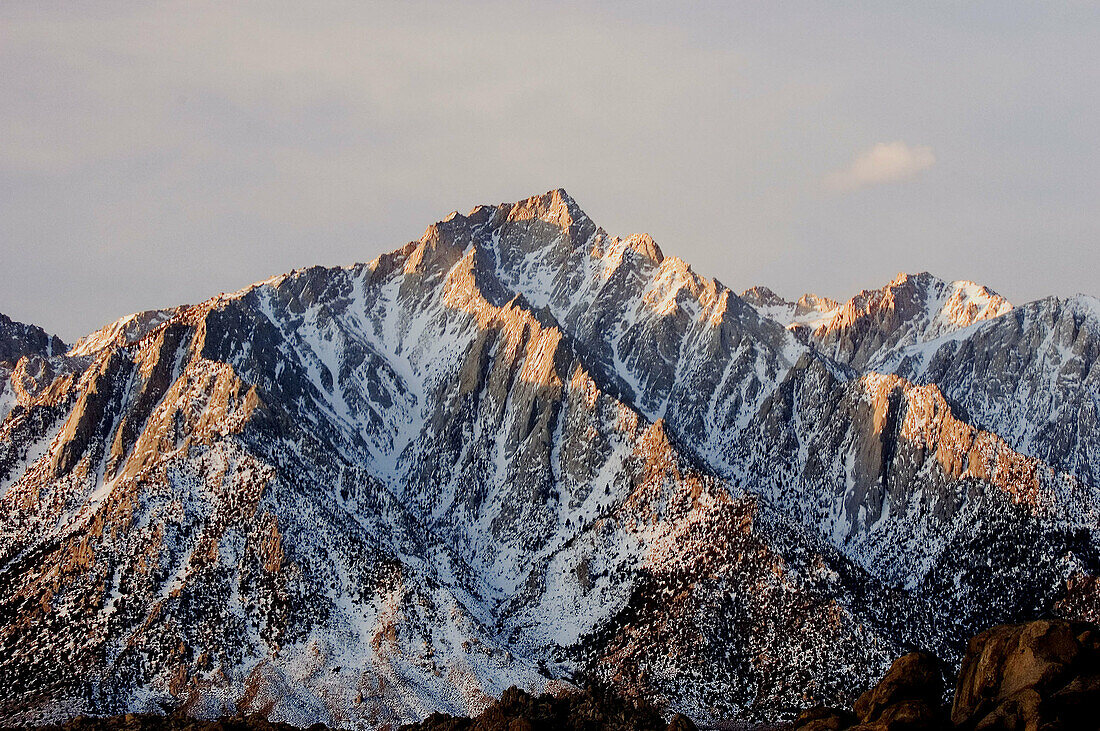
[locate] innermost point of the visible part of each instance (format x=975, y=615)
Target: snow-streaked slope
x=1027, y=374
x=358, y=495
x=18, y=339
x=122, y=332
x=874, y=329
x=888, y=473
x=676, y=345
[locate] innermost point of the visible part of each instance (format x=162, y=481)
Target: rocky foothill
x=590, y=709
x=173, y=722
x=1039, y=676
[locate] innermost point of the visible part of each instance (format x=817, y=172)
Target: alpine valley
x=521, y=451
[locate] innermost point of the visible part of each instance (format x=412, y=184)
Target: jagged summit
x=18, y=343
x=122, y=331
x=554, y=208
x=874, y=328
x=966, y=302
x=763, y=297
x=810, y=312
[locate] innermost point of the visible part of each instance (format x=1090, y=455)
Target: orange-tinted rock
x=912, y=677
x=822, y=718
x=680, y=722
x=1006, y=659
x=1044, y=674
x=912, y=715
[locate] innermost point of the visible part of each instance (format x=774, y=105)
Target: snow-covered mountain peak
x=1088, y=306
x=810, y=303
x=761, y=296
x=18, y=342
x=1030, y=374
x=873, y=329
x=546, y=248
x=555, y=209
x=518, y=451
x=646, y=246
x=810, y=312
x=946, y=304
x=555, y=206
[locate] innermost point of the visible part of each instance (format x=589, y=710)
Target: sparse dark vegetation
x=594, y=709
x=174, y=722
x=1038, y=676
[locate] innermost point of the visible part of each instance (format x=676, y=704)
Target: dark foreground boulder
x=910, y=695
x=1041, y=675
x=821, y=718
x=908, y=698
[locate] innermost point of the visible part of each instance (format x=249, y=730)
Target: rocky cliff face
x=517, y=451
x=877, y=327
x=1027, y=374
x=17, y=341
x=803, y=317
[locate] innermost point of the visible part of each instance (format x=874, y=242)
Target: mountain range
x=522, y=451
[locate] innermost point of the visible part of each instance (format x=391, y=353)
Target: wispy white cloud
x=886, y=162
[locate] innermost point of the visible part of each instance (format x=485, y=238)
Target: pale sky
x=153, y=154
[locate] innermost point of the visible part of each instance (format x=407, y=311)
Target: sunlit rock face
x=518, y=451
x=873, y=329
